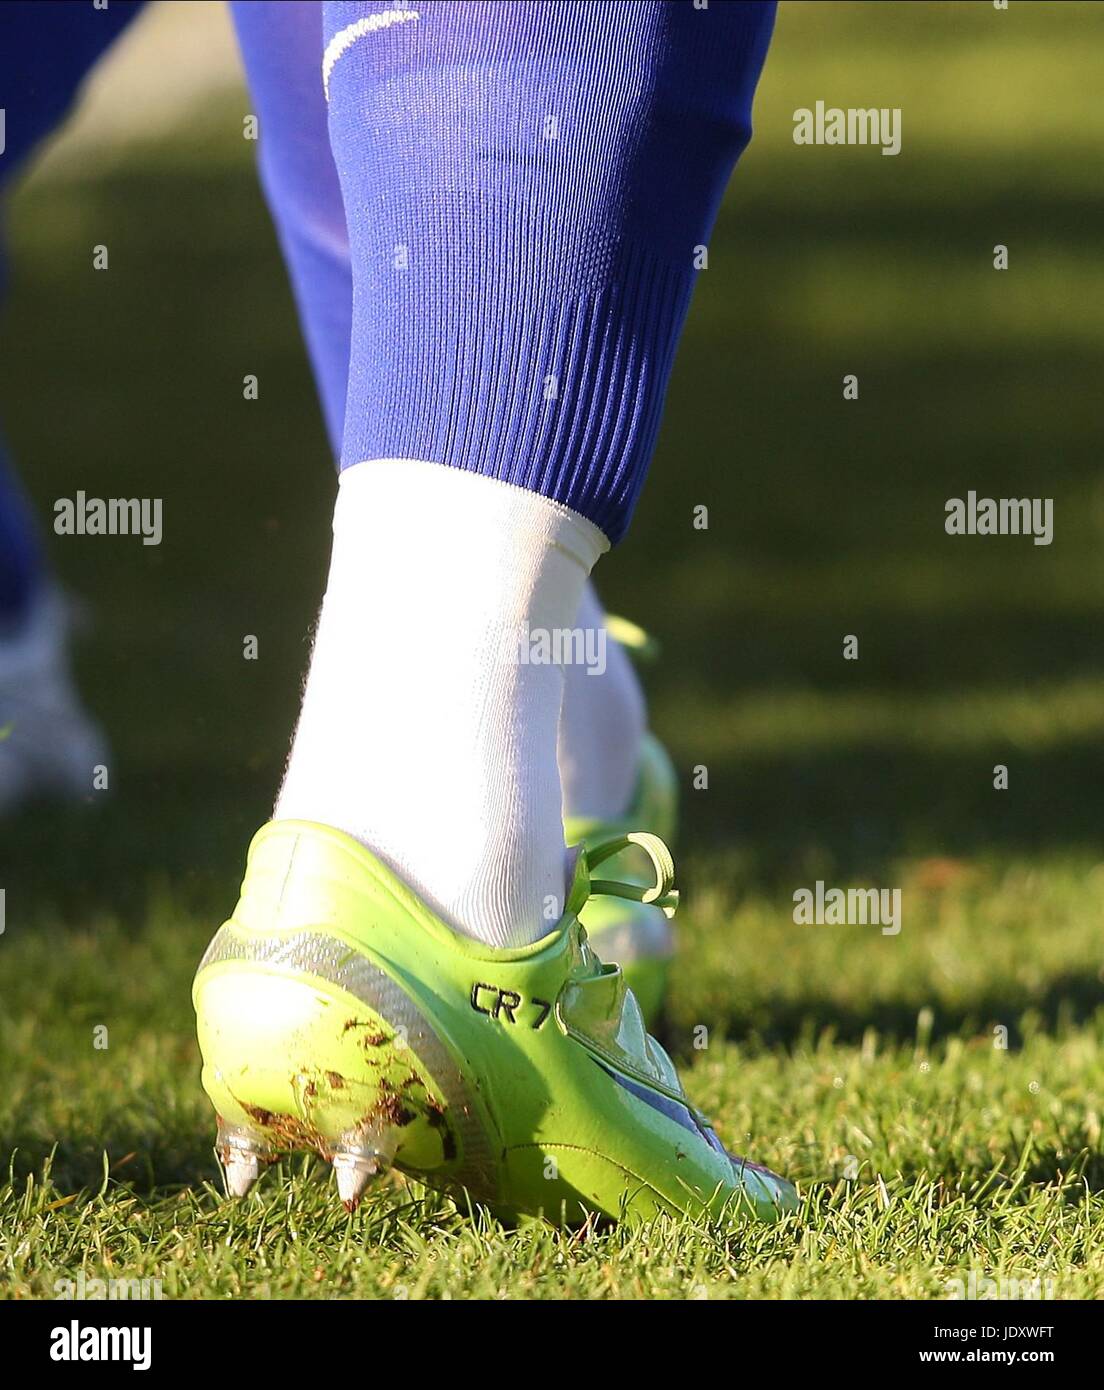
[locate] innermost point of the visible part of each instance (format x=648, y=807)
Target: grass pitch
x=937, y=1094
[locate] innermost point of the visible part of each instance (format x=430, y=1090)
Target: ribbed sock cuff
x=560, y=394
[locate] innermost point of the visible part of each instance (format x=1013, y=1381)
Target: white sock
x=421, y=734
x=601, y=727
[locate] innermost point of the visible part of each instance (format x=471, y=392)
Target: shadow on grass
x=858, y=809
x=146, y=1164
x=1067, y=1000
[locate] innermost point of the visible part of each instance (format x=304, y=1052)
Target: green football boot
x=338, y=1014
x=637, y=935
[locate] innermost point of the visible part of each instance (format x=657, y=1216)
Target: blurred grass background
x=826, y=519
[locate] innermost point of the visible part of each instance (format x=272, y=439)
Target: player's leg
x=49, y=745
x=312, y=779
x=525, y=186
x=602, y=726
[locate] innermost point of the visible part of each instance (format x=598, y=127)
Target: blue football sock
x=281, y=45
x=526, y=187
